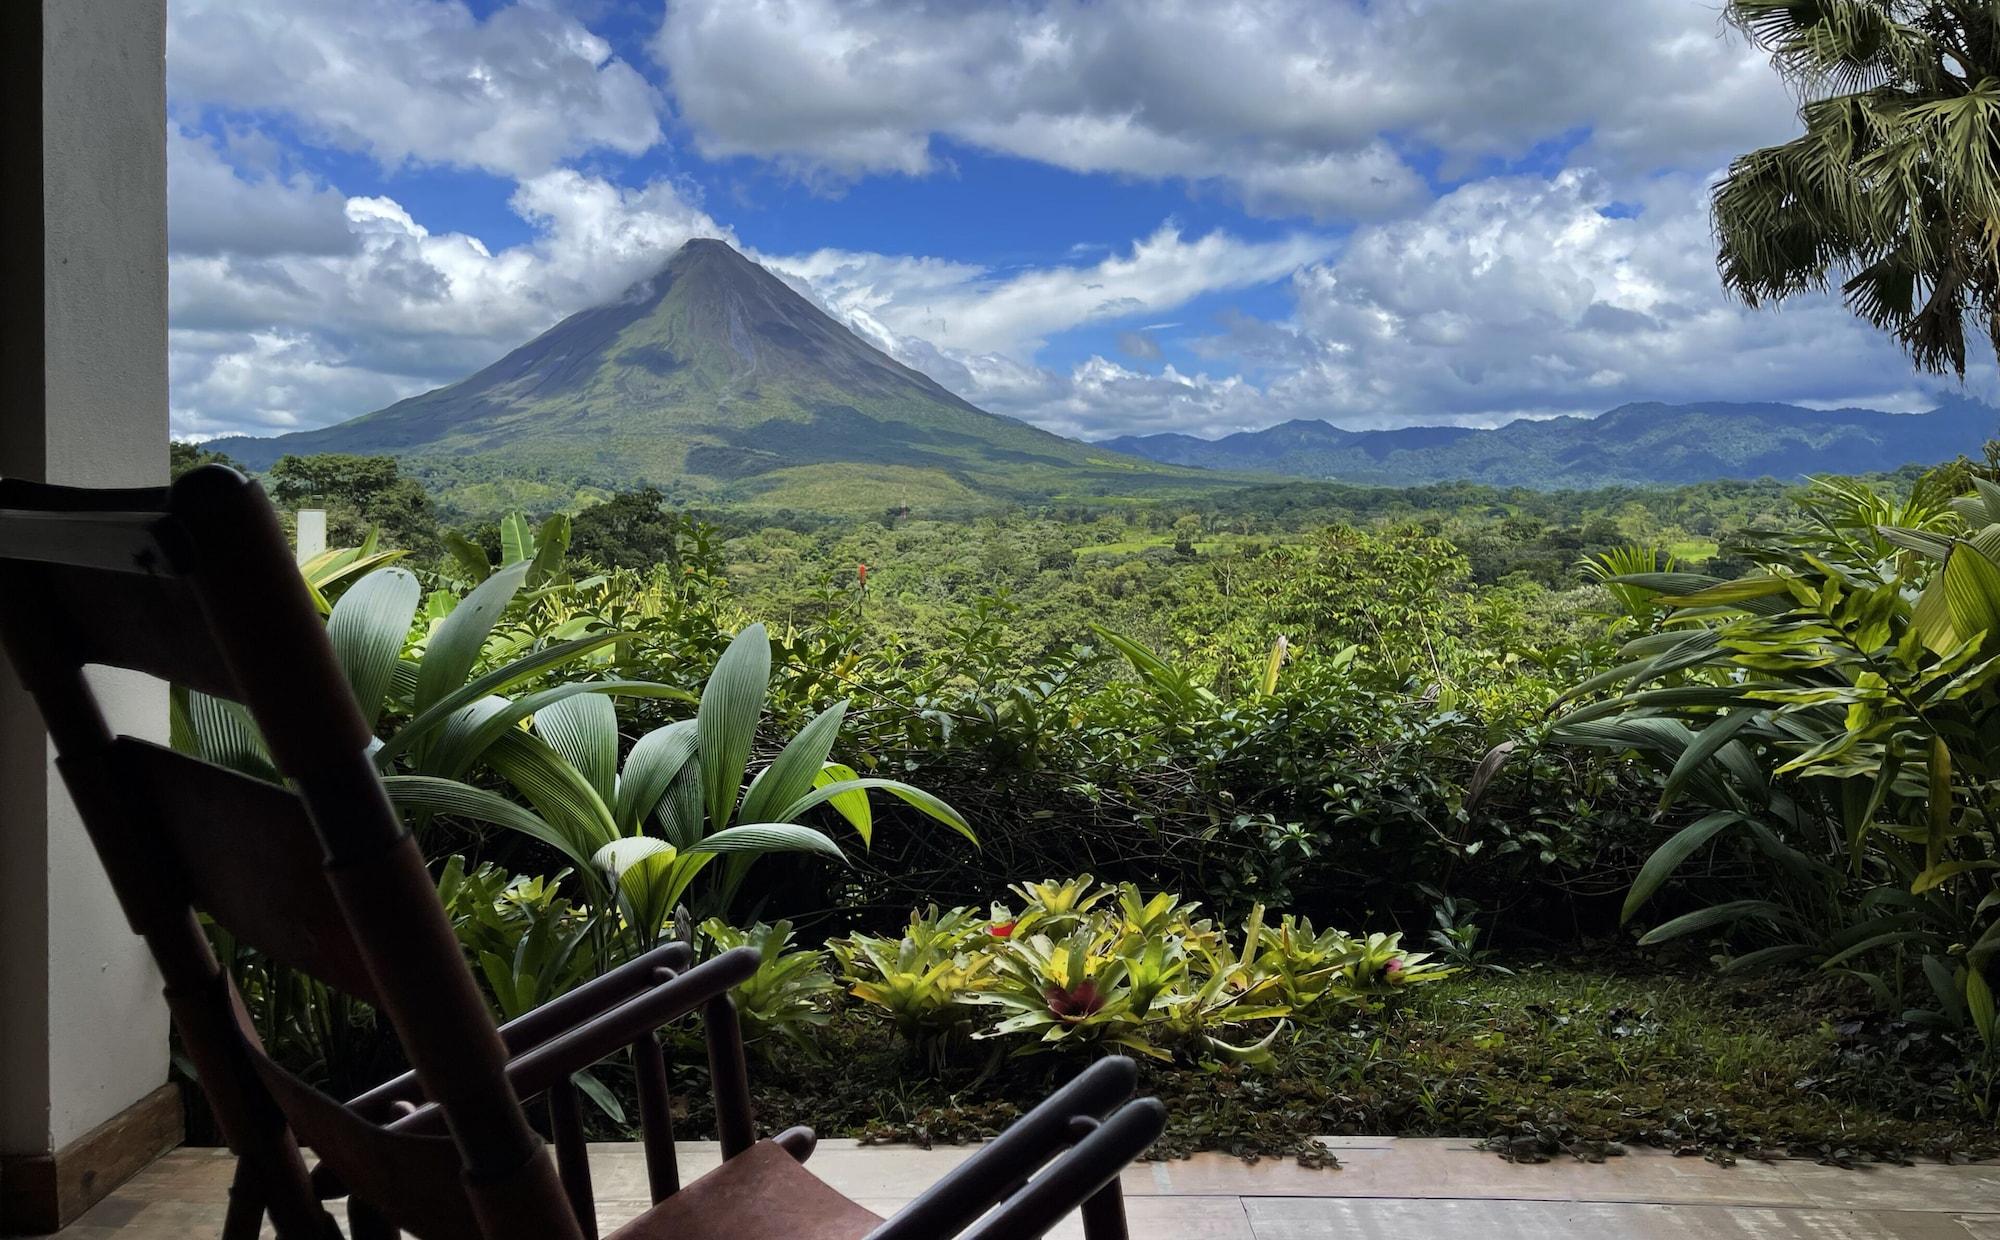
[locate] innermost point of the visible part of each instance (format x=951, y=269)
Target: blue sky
x=1104, y=217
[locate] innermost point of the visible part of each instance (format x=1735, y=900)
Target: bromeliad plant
x=790, y=993
x=1081, y=965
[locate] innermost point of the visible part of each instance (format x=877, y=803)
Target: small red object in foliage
x=1001, y=930
x=1394, y=969
x=1076, y=1003
x=861, y=571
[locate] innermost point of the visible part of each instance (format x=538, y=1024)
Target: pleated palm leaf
x=1894, y=187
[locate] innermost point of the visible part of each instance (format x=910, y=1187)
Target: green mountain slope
x=1632, y=444
x=716, y=375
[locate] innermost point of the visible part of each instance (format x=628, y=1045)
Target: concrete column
x=83, y=401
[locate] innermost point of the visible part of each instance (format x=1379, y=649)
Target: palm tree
x=1895, y=183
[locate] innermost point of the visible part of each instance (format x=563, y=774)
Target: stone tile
x=1304, y=1219
x=1926, y=1186
x=1456, y=1169
x=1980, y=1226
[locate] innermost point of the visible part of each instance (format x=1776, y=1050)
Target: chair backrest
x=195, y=584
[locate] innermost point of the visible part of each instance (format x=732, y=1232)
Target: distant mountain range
x=715, y=374
x=1632, y=444
x=715, y=378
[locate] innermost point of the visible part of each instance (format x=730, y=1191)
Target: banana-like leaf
x=790, y=776
x=726, y=721
x=367, y=629
x=584, y=729
x=650, y=769
x=517, y=539
x=469, y=556
x=1972, y=593
x=551, y=545
x=917, y=797
x=455, y=646
x=649, y=876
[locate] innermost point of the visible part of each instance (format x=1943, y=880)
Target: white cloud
x=964, y=308
x=268, y=336
x=416, y=81
x=1291, y=102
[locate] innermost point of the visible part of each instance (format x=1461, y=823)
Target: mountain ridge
x=1640, y=443
x=715, y=373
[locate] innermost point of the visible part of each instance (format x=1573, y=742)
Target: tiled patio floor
x=1387, y=1190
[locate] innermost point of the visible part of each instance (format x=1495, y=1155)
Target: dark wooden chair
x=194, y=584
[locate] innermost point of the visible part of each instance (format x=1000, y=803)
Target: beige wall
x=83, y=1033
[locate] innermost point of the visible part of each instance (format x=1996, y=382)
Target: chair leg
x=246, y=1206
x=1104, y=1214
x=656, y=1117
x=572, y=1155
x=364, y=1222
x=734, y=1124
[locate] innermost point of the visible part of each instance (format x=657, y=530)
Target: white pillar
x=312, y=533
x=83, y=1031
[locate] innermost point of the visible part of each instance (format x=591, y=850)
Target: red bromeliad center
x=1075, y=1003
x=1001, y=930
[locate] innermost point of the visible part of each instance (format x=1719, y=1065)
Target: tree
x=1895, y=183
x=358, y=492
x=635, y=529
x=183, y=456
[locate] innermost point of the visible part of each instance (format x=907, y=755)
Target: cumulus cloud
x=275, y=336
x=417, y=81
x=1290, y=102
x=1508, y=298
x=965, y=308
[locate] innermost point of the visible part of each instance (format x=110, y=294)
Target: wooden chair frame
x=195, y=584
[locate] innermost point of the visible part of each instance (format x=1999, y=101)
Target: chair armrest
x=576, y=1048
x=1004, y=1163
x=557, y=1016
x=1091, y=1166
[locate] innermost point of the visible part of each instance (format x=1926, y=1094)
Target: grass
x=1558, y=1060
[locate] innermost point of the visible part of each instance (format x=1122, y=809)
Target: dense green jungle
x=1557, y=820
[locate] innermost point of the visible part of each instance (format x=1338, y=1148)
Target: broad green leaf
x=1668, y=857
x=650, y=768
x=367, y=629
x=769, y=837
x=224, y=733
x=468, y=555
x=517, y=539
x=557, y=790
x=726, y=721
x=1945, y=871
x=551, y=545
x=852, y=804
x=501, y=678
x=1979, y=1004
x=465, y=735
x=917, y=797
x=583, y=728
x=455, y=646
x=1711, y=917
x=790, y=776
x=427, y=794
x=1972, y=593
x=1705, y=745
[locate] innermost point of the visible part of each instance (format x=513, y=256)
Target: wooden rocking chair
x=195, y=584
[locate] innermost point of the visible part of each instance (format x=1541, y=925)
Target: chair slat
x=84, y=615
x=249, y=859
x=411, y=1179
